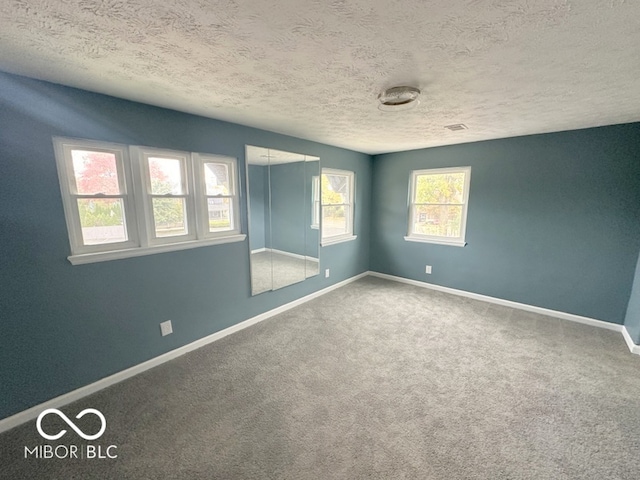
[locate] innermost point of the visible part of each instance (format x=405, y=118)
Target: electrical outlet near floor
x=166, y=328
x=326, y=273
x=428, y=269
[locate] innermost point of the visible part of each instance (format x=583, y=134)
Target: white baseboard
x=507, y=303
x=633, y=348
x=57, y=402
x=295, y=255
x=287, y=254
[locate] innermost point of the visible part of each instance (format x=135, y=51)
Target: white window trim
x=63, y=148
x=341, y=239
x=141, y=251
x=315, y=202
x=349, y=236
x=440, y=240
x=139, y=156
x=202, y=213
x=437, y=240
x=138, y=219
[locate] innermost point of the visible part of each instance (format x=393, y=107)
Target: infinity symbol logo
x=71, y=424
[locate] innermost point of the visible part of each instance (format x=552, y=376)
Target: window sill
x=141, y=251
x=334, y=240
x=452, y=243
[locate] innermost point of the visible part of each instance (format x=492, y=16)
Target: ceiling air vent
x=456, y=127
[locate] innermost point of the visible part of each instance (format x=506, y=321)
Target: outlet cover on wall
x=166, y=328
x=326, y=273
x=428, y=269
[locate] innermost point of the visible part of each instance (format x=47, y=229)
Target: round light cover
x=398, y=98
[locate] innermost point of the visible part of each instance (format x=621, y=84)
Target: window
x=438, y=201
x=219, y=203
x=122, y=201
x=168, y=195
x=315, y=201
x=337, y=188
x=97, y=192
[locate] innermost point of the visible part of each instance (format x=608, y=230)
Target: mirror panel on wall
x=284, y=206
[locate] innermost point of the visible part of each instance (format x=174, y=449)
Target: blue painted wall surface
x=66, y=326
x=553, y=220
x=258, y=206
x=632, y=320
x=288, y=218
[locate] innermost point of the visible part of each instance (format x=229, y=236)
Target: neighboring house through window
x=123, y=201
x=438, y=205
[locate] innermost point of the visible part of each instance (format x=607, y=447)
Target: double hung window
x=123, y=201
x=438, y=201
x=337, y=206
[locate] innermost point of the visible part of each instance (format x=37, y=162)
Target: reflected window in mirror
x=337, y=205
x=283, y=242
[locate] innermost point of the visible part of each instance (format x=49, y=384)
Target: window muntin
x=337, y=193
x=438, y=205
x=96, y=187
x=123, y=201
x=168, y=199
x=218, y=201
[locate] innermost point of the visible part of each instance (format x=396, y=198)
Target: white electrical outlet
x=326, y=273
x=166, y=328
x=428, y=269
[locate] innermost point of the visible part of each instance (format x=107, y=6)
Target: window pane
x=440, y=188
x=169, y=216
x=219, y=214
x=166, y=176
x=437, y=220
x=95, y=172
x=334, y=220
x=216, y=177
x=102, y=220
x=335, y=189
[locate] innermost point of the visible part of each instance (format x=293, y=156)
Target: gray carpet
x=375, y=380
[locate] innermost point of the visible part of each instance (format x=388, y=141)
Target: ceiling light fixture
x=396, y=99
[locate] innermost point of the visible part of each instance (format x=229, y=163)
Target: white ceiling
x=313, y=68
x=269, y=156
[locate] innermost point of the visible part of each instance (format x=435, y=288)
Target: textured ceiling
x=269, y=156
x=313, y=68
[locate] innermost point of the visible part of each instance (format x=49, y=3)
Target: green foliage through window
x=438, y=203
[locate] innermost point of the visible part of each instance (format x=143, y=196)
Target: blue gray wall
x=632, y=320
x=280, y=196
x=258, y=207
x=553, y=220
x=65, y=326
x=288, y=216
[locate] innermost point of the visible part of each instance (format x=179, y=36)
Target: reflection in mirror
x=283, y=217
